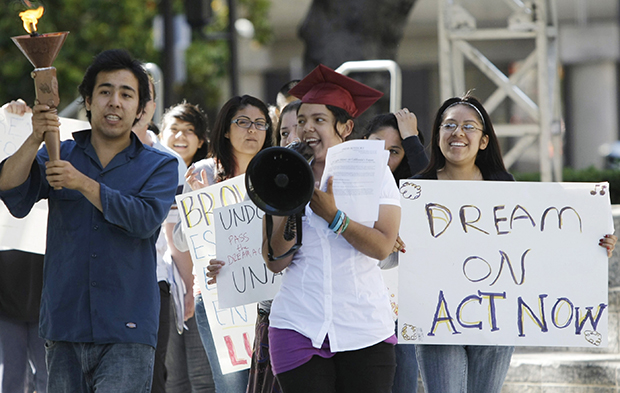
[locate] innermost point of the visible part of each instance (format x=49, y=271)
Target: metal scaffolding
x=536, y=21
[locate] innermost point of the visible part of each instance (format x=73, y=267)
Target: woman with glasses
x=464, y=147
x=261, y=378
x=242, y=128
x=240, y=131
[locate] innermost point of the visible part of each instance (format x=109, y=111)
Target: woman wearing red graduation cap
x=331, y=328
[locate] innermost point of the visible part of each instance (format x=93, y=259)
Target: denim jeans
x=463, y=368
x=159, y=369
x=406, y=376
x=20, y=345
x=186, y=361
x=236, y=382
x=88, y=367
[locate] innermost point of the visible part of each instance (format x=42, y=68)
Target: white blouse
x=332, y=289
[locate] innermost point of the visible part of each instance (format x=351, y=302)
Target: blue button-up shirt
x=100, y=282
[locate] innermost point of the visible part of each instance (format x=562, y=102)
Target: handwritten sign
x=239, y=235
x=26, y=234
x=231, y=328
x=504, y=263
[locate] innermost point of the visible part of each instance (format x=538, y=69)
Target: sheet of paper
x=358, y=168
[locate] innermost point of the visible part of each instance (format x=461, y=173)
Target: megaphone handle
x=269, y=230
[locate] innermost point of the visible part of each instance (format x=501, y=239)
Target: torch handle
x=46, y=87
x=52, y=143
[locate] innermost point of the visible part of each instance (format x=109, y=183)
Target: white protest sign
x=29, y=233
x=232, y=328
x=504, y=263
x=239, y=236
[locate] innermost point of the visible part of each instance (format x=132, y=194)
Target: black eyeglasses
x=247, y=123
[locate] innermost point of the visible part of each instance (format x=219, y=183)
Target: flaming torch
x=41, y=50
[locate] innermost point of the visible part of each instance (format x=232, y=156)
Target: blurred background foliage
x=97, y=25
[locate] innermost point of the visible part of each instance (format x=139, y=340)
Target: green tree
x=94, y=25
x=97, y=25
x=207, y=58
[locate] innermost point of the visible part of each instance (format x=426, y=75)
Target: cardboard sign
x=232, y=328
x=29, y=233
x=244, y=278
x=504, y=263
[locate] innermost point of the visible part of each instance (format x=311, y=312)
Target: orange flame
x=31, y=18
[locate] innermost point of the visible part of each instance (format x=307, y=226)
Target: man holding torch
x=108, y=195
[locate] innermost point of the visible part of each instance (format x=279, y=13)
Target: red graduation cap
x=328, y=87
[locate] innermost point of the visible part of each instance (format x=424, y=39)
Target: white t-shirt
x=332, y=289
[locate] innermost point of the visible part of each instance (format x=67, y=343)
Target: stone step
x=563, y=372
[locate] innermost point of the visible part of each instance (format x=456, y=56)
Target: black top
x=414, y=151
x=498, y=176
x=21, y=280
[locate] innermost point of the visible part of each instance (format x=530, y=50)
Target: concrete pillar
x=593, y=114
x=590, y=54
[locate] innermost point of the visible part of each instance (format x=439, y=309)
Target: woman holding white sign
x=330, y=325
x=240, y=131
x=464, y=147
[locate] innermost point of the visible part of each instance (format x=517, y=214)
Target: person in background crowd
x=184, y=130
x=406, y=146
x=242, y=128
x=402, y=139
x=284, y=97
x=21, y=281
x=286, y=131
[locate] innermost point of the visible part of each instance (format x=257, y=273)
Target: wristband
x=345, y=225
x=337, y=221
x=339, y=230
